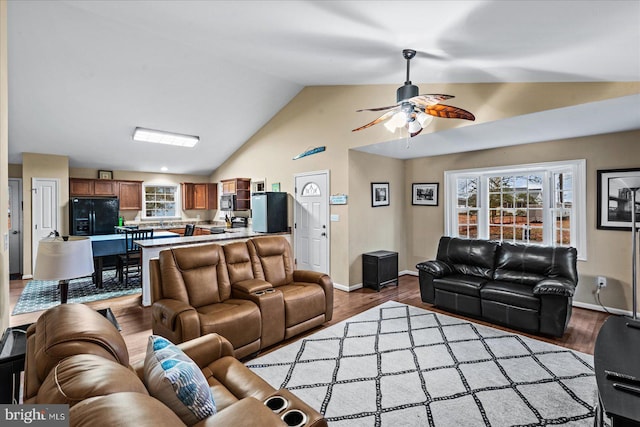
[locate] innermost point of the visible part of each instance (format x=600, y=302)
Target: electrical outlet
x=602, y=282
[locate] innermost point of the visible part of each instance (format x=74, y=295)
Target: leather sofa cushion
x=70, y=329
x=302, y=301
x=86, y=375
x=271, y=257
x=529, y=264
x=461, y=284
x=238, y=261
x=468, y=256
x=511, y=294
x=195, y=275
x=117, y=409
x=237, y=320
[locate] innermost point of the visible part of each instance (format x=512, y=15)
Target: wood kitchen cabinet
x=241, y=187
x=130, y=194
x=199, y=195
x=92, y=187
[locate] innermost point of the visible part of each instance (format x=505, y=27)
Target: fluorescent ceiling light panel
x=161, y=137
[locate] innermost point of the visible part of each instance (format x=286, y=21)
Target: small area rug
x=398, y=365
x=41, y=295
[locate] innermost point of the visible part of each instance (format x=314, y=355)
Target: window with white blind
x=160, y=201
x=543, y=203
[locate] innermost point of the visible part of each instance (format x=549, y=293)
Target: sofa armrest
x=321, y=279
x=175, y=320
x=561, y=287
x=436, y=268
x=245, y=287
x=248, y=410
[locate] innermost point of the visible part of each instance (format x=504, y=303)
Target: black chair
x=133, y=254
x=189, y=229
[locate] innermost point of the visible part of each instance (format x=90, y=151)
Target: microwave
x=228, y=202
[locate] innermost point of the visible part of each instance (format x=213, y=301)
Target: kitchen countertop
x=229, y=234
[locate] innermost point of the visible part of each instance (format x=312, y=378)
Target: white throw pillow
x=174, y=379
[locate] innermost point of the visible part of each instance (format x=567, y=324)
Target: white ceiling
x=84, y=74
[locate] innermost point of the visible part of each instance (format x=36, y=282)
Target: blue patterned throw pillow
x=174, y=379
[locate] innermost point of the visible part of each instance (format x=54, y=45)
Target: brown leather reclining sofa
x=247, y=292
x=75, y=356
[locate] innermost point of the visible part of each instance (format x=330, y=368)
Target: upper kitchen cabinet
x=199, y=195
x=92, y=187
x=130, y=194
x=241, y=187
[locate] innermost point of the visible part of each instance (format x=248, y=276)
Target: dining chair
x=189, y=229
x=132, y=258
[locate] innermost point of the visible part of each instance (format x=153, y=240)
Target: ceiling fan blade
x=429, y=99
x=448, y=112
x=377, y=109
x=382, y=118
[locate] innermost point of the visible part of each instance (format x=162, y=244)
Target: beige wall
x=15, y=171
x=4, y=177
x=325, y=116
x=43, y=166
x=608, y=252
x=375, y=228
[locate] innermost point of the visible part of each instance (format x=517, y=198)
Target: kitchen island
x=151, y=249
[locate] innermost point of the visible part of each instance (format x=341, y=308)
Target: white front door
x=311, y=217
x=15, y=226
x=44, y=212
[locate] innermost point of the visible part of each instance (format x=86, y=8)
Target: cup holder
x=276, y=403
x=258, y=293
x=270, y=290
x=294, y=418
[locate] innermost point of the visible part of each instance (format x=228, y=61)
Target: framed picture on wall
x=379, y=194
x=615, y=193
x=424, y=194
x=105, y=174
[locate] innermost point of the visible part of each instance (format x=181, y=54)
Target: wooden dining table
x=114, y=244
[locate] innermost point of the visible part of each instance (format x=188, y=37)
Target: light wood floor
x=135, y=320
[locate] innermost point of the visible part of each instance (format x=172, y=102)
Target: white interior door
x=44, y=212
x=311, y=217
x=15, y=226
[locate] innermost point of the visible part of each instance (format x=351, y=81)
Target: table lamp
x=63, y=259
x=632, y=183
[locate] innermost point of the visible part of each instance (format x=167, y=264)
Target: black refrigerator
x=269, y=212
x=89, y=216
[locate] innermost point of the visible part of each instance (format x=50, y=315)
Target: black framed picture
x=379, y=194
x=105, y=174
x=424, y=194
x=616, y=188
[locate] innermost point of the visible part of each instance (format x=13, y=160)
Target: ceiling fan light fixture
x=424, y=119
x=162, y=137
x=413, y=126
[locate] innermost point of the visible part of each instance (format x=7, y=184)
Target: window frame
x=177, y=201
x=577, y=168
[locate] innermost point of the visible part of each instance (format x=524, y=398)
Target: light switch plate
x=335, y=217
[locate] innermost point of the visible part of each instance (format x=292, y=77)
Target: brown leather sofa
x=75, y=356
x=248, y=292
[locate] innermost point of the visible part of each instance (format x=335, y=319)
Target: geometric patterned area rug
x=41, y=295
x=398, y=365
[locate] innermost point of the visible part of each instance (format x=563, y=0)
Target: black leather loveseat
x=526, y=287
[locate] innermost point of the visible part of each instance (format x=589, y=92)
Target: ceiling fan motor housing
x=407, y=91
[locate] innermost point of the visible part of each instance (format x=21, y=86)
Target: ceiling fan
x=414, y=111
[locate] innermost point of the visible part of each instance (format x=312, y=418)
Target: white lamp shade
x=60, y=260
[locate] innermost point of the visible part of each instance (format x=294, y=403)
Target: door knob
x=15, y=232
x=324, y=234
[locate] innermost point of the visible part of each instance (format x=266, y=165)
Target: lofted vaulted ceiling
x=84, y=74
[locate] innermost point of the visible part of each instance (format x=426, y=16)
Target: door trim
x=327, y=174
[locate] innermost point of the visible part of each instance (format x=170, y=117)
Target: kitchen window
x=543, y=203
x=160, y=201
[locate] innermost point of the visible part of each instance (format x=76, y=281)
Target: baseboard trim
x=347, y=288
x=409, y=272
x=596, y=307
x=27, y=277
